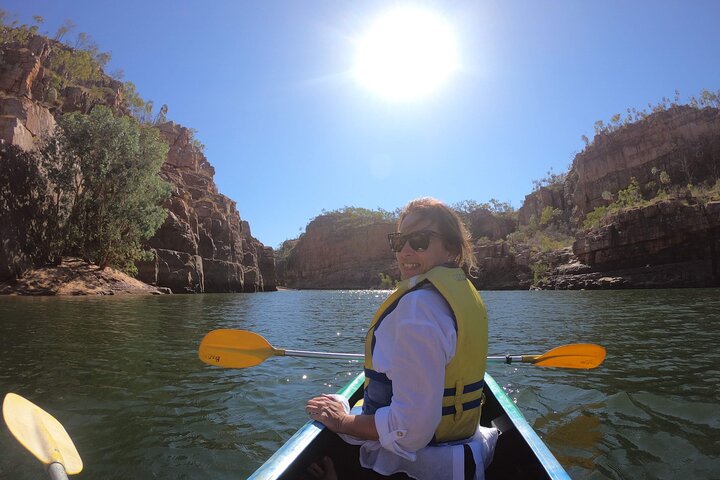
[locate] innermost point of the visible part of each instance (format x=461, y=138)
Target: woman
x=425, y=356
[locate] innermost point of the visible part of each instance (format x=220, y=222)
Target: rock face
x=540, y=199
x=203, y=246
x=482, y=223
x=500, y=268
x=336, y=255
x=683, y=240
x=682, y=141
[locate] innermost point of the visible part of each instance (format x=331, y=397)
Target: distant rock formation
x=673, y=243
x=204, y=245
x=338, y=253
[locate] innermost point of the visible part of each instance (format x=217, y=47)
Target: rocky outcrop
x=500, y=267
x=203, y=246
x=482, y=223
x=338, y=253
x=682, y=141
x=537, y=201
x=76, y=277
x=669, y=236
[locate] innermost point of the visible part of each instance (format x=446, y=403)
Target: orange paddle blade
x=576, y=355
x=235, y=349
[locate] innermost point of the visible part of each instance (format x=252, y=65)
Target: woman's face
x=412, y=262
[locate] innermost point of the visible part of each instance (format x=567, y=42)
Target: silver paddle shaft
x=340, y=356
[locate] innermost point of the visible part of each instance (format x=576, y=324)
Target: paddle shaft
x=56, y=471
x=303, y=353
x=509, y=359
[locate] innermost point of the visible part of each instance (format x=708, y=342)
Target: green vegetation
x=104, y=185
x=631, y=197
x=551, y=180
x=541, y=271
x=552, y=231
x=81, y=64
x=386, y=282
x=358, y=216
x=706, y=99
x=465, y=208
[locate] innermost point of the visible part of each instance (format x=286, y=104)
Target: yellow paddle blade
x=235, y=349
x=576, y=355
x=39, y=432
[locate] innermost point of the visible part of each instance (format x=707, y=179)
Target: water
x=122, y=375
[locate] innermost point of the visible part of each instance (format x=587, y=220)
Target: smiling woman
x=406, y=55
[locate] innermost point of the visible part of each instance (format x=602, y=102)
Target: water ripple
x=122, y=375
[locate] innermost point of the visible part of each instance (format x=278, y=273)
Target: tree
x=67, y=26
x=105, y=171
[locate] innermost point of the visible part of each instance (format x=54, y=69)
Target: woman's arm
x=331, y=413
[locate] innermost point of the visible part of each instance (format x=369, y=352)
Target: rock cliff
x=682, y=141
x=203, y=246
x=668, y=243
x=338, y=253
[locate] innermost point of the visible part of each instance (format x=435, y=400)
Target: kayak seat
x=503, y=424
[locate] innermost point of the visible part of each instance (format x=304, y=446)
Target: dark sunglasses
x=419, y=241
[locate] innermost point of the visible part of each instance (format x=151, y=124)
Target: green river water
x=122, y=375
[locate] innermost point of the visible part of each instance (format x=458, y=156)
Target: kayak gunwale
x=283, y=458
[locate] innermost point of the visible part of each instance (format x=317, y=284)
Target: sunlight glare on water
x=122, y=375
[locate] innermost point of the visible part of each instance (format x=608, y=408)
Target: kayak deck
x=519, y=453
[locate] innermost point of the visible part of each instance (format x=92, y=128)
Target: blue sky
x=268, y=86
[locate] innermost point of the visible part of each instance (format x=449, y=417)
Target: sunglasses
x=419, y=241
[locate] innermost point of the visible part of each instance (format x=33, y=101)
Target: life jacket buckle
x=459, y=390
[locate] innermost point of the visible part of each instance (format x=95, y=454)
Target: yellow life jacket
x=462, y=397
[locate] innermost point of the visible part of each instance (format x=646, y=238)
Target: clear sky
x=269, y=87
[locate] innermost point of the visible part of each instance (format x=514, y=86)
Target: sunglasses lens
x=419, y=241
x=397, y=242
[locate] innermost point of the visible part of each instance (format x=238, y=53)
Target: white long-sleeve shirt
x=413, y=345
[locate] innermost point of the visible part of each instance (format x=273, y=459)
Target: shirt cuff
x=389, y=438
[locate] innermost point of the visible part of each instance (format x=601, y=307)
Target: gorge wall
x=668, y=242
x=203, y=246
x=338, y=253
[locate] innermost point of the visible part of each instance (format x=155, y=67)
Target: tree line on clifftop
x=92, y=190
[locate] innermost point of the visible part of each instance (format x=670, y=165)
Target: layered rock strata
x=682, y=141
x=203, y=246
x=336, y=255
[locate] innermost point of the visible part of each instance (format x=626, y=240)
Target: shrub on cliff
x=107, y=194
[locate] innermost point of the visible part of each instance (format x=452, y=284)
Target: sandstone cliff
x=340, y=253
x=204, y=245
x=671, y=242
x=668, y=243
x=682, y=141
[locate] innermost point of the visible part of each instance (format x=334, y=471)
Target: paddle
x=241, y=349
x=574, y=355
x=45, y=437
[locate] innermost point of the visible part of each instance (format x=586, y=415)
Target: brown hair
x=456, y=237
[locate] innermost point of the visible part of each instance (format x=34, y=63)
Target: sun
x=406, y=55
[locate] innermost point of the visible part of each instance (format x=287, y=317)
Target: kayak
x=519, y=453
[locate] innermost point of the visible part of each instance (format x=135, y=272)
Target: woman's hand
x=328, y=411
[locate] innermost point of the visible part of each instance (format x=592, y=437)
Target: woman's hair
x=456, y=237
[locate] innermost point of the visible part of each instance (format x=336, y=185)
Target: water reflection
x=122, y=375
